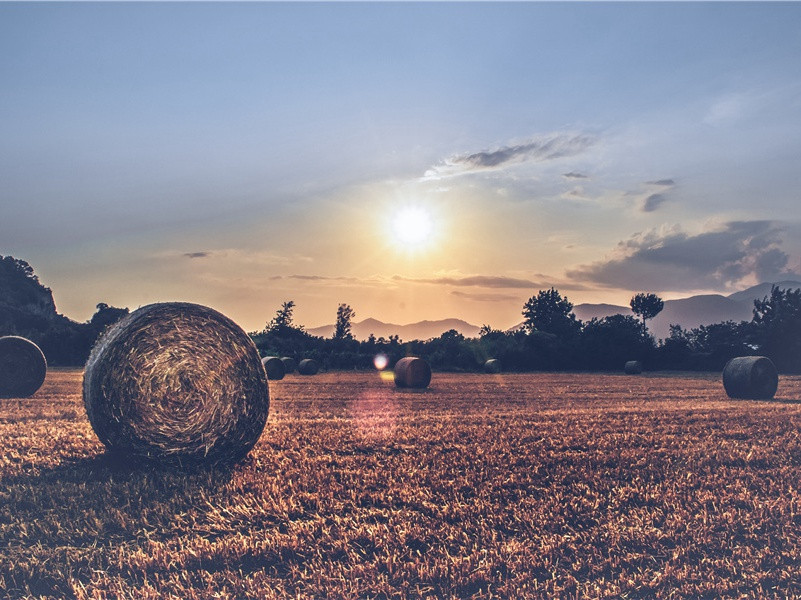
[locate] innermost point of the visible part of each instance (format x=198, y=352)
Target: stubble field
x=503, y=486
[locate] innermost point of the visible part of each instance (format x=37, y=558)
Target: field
x=483, y=486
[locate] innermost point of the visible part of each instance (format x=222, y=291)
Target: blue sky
x=243, y=154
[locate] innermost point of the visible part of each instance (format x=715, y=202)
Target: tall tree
x=282, y=321
x=777, y=328
x=548, y=312
x=345, y=316
x=646, y=306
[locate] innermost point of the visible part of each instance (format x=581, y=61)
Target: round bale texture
x=632, y=367
x=750, y=378
x=493, y=365
x=290, y=366
x=308, y=366
x=22, y=367
x=274, y=367
x=176, y=382
x=412, y=372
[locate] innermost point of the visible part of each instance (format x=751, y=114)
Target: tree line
x=553, y=338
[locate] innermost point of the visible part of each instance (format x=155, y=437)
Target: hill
x=422, y=330
x=693, y=311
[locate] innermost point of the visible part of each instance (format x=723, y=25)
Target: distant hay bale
x=493, y=365
x=308, y=366
x=290, y=366
x=176, y=382
x=632, y=367
x=274, y=367
x=412, y=372
x=750, y=378
x=23, y=367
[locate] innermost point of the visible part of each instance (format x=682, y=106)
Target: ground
x=483, y=486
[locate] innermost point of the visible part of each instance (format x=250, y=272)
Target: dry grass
x=506, y=486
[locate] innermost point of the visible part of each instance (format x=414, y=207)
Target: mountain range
x=688, y=312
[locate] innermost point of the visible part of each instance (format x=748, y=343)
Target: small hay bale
x=632, y=367
x=750, y=378
x=274, y=367
x=493, y=365
x=176, y=382
x=412, y=372
x=308, y=366
x=290, y=366
x=23, y=367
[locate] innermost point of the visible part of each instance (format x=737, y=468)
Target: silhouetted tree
x=342, y=328
x=282, y=320
x=609, y=342
x=646, y=306
x=548, y=312
x=105, y=316
x=776, y=328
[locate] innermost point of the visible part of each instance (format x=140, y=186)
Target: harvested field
x=481, y=486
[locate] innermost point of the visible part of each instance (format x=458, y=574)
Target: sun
x=412, y=226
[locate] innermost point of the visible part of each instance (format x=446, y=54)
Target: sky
x=413, y=160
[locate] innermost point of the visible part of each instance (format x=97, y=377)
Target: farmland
x=482, y=486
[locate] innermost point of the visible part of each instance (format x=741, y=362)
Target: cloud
x=197, y=254
x=573, y=175
x=731, y=255
x=493, y=282
x=488, y=281
x=538, y=149
x=662, y=182
x=483, y=297
x=652, y=202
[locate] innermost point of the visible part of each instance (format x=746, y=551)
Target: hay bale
x=750, y=378
x=22, y=367
x=632, y=367
x=493, y=365
x=176, y=382
x=289, y=364
x=273, y=367
x=308, y=366
x=412, y=372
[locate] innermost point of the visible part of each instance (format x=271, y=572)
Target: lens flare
x=380, y=361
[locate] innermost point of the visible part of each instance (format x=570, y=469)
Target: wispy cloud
x=656, y=194
x=724, y=257
x=537, y=149
x=574, y=175
x=197, y=254
x=483, y=297
x=487, y=281
x=493, y=282
x=652, y=202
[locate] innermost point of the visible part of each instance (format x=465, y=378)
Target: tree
x=776, y=328
x=345, y=316
x=609, y=342
x=548, y=312
x=646, y=306
x=282, y=322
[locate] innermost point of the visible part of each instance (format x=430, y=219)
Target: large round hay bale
x=290, y=366
x=22, y=367
x=274, y=367
x=176, y=382
x=493, y=365
x=750, y=378
x=308, y=366
x=632, y=367
x=412, y=372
